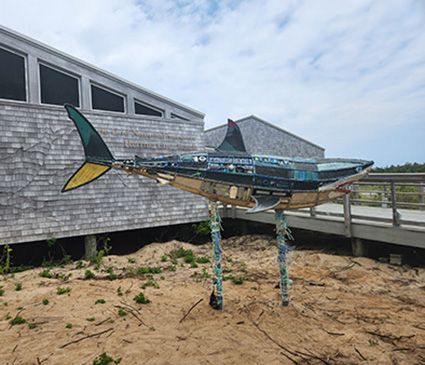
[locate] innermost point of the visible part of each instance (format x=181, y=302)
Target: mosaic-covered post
x=216, y=300
x=282, y=235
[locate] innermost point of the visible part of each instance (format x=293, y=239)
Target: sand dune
x=343, y=310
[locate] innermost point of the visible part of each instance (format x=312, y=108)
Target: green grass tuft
x=46, y=274
x=62, y=290
x=236, y=280
x=105, y=359
x=150, y=283
x=17, y=320
x=202, y=260
x=142, y=270
x=88, y=274
x=141, y=299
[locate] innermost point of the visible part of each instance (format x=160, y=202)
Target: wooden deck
x=390, y=222
x=368, y=223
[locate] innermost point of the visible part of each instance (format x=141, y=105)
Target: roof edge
x=107, y=74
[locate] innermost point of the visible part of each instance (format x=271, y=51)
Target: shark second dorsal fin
x=233, y=142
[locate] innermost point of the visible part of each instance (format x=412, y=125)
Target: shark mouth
x=345, y=187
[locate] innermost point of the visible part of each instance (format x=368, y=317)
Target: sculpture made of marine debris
x=232, y=176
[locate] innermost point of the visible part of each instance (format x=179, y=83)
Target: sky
x=347, y=75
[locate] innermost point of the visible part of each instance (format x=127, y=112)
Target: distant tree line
x=407, y=167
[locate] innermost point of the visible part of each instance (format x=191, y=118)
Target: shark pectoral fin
x=263, y=203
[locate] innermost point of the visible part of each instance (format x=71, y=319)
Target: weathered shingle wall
x=263, y=138
x=40, y=149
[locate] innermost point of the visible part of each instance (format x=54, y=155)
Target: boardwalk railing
x=387, y=190
x=386, y=207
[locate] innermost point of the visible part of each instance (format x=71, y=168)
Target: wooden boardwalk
x=367, y=223
x=384, y=207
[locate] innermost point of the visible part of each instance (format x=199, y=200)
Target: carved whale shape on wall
x=229, y=174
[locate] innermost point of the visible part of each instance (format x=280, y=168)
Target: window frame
x=61, y=70
x=176, y=116
x=106, y=88
x=26, y=73
x=138, y=101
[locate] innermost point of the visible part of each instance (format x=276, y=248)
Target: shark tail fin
x=98, y=157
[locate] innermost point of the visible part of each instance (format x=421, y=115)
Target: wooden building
x=264, y=138
x=40, y=147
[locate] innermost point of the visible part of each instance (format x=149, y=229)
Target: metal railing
x=394, y=191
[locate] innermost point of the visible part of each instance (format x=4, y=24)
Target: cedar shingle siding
x=40, y=149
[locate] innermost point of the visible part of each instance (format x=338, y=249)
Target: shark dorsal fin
x=233, y=142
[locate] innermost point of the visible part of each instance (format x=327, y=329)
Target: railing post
x=384, y=203
x=233, y=211
x=347, y=215
x=396, y=216
x=421, y=195
x=354, y=193
x=312, y=212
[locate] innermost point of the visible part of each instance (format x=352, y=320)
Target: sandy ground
x=343, y=310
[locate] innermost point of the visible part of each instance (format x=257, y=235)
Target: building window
x=175, y=116
x=12, y=76
x=58, y=88
x=144, y=109
x=105, y=100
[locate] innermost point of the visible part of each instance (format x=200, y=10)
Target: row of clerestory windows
x=58, y=87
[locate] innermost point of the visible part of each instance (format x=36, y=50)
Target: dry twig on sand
x=133, y=311
x=360, y=354
x=389, y=338
x=102, y=322
x=190, y=310
x=302, y=355
x=86, y=337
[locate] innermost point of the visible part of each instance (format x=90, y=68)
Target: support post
x=90, y=246
x=347, y=215
x=216, y=299
x=282, y=234
x=244, y=227
x=358, y=248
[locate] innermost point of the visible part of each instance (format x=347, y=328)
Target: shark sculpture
x=230, y=175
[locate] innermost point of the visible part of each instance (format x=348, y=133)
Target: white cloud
x=347, y=75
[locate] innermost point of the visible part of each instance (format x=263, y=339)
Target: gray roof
x=250, y=117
